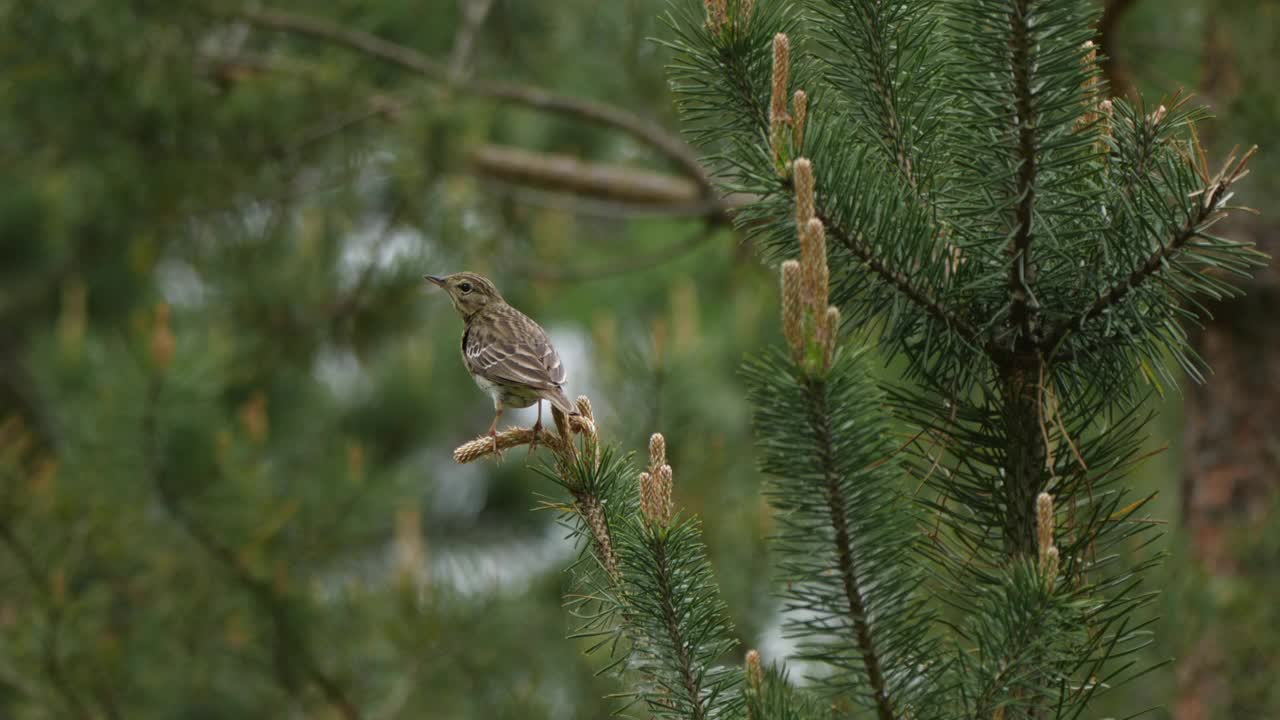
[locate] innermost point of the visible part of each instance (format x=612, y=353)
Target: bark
x=1231, y=466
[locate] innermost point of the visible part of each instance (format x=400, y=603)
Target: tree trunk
x=1231, y=471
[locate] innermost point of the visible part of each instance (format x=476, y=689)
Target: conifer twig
x=854, y=593
x=900, y=282
x=288, y=644
x=51, y=659
x=1211, y=201
x=1022, y=306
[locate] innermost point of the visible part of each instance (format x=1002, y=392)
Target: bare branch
x=569, y=174
x=600, y=113
x=473, y=14
x=612, y=209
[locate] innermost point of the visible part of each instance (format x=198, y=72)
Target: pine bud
x=657, y=451
x=832, y=333
x=594, y=515
x=655, y=496
x=664, y=483
x=803, y=173
x=745, y=7
x=813, y=258
x=1050, y=568
x=717, y=14
x=793, y=307
x=1044, y=524
x=590, y=441
x=778, y=118
x=755, y=670
x=584, y=407
x=755, y=684
x=800, y=106
x=648, y=496
x=162, y=342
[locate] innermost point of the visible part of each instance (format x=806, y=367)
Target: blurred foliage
x=274, y=508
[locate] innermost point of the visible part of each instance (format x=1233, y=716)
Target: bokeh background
x=227, y=401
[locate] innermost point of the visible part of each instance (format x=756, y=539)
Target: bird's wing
x=511, y=349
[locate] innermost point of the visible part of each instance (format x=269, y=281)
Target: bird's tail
x=556, y=397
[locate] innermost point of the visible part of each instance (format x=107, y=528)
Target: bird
x=508, y=354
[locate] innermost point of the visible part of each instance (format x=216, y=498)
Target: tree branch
x=1112, y=69
x=902, y=283
x=53, y=665
x=600, y=113
x=287, y=638
x=473, y=14
x=820, y=424
x=1212, y=199
x=679, y=643
x=1022, y=307
x=569, y=174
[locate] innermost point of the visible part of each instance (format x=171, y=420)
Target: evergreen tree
x=959, y=190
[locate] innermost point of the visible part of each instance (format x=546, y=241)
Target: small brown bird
x=507, y=353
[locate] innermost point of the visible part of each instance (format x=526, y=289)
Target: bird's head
x=468, y=291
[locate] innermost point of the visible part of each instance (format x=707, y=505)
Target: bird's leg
x=493, y=430
x=537, y=430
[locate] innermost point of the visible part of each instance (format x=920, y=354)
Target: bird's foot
x=497, y=454
x=537, y=435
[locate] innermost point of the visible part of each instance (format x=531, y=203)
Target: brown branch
x=1022, y=309
x=473, y=14
x=482, y=446
x=600, y=113
x=900, y=282
x=569, y=174
x=853, y=592
x=1209, y=208
x=1113, y=70
x=614, y=210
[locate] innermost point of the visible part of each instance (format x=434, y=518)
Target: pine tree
x=964, y=200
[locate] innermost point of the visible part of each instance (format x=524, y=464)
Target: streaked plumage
x=508, y=354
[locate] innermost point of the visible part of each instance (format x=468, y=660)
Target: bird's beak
x=439, y=281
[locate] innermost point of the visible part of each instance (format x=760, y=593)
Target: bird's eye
x=465, y=287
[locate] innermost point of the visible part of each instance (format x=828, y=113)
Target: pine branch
x=50, y=658
x=876, y=58
x=1207, y=210
x=569, y=174
x=289, y=645
x=666, y=595
x=846, y=544
x=536, y=98
x=1022, y=310
x=836, y=503
x=902, y=284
